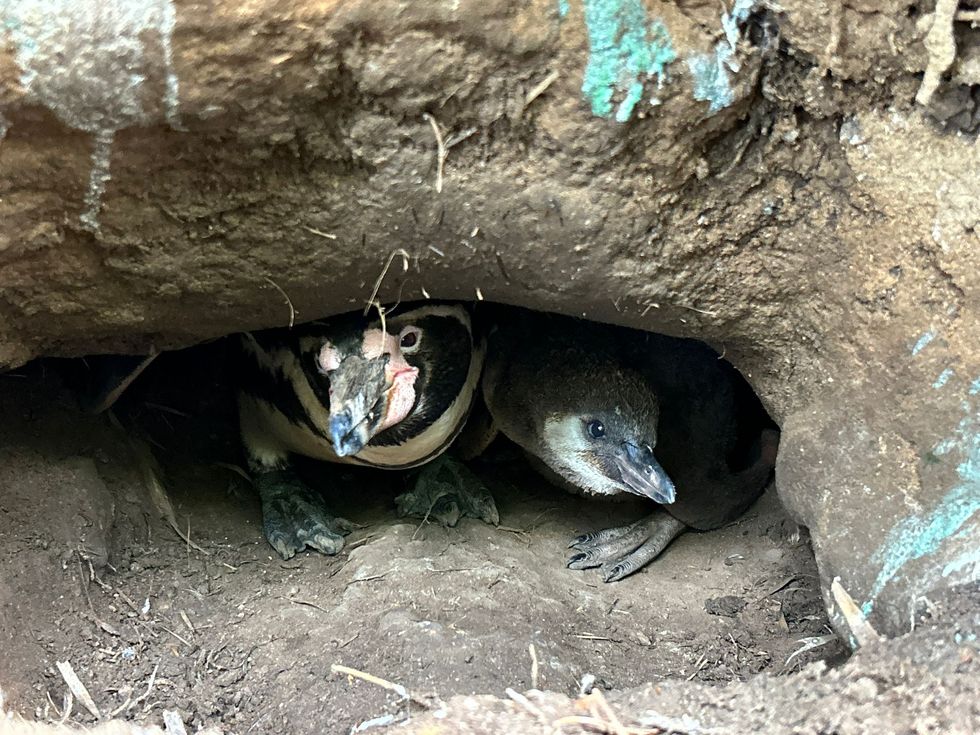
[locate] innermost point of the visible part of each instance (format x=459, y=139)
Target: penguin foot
x=294, y=517
x=622, y=550
x=446, y=490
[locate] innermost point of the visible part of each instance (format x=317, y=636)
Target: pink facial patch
x=328, y=359
x=376, y=343
x=401, y=394
x=399, y=375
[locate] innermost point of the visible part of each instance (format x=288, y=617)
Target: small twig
x=370, y=578
x=862, y=631
x=77, y=688
x=593, y=637
x=538, y=89
x=782, y=585
x=526, y=704
x=372, y=300
x=534, y=666
x=379, y=721
x=456, y=138
x=187, y=621
x=84, y=582
x=128, y=705
x=289, y=303
x=596, y=701
x=178, y=636
x=602, y=718
x=383, y=683
x=66, y=707
x=350, y=640
x=701, y=663
x=808, y=644
x=320, y=233
x=441, y=150
x=699, y=311
x=307, y=603
x=158, y=493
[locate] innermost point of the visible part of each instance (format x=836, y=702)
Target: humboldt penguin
x=611, y=411
x=391, y=393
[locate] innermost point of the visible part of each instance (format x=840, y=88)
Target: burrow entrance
x=211, y=623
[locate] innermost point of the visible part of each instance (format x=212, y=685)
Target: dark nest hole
x=228, y=634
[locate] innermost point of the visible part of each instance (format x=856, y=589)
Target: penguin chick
x=610, y=411
x=591, y=421
x=350, y=390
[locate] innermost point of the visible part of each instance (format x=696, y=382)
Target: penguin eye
x=596, y=429
x=648, y=449
x=409, y=339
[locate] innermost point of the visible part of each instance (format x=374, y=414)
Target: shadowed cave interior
x=236, y=636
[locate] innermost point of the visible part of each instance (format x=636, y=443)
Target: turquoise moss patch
x=921, y=534
x=712, y=72
x=711, y=81
x=625, y=50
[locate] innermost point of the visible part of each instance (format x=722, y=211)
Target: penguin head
x=371, y=384
x=388, y=381
x=601, y=431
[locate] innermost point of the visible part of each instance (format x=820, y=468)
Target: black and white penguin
x=610, y=411
x=392, y=394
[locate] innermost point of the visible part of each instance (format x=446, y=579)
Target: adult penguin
x=391, y=393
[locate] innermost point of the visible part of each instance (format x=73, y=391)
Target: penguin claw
x=618, y=571
x=603, y=537
x=280, y=544
x=326, y=543
x=294, y=518
x=447, y=491
x=623, y=550
x=584, y=560
x=446, y=511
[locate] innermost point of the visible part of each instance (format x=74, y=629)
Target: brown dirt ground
x=239, y=639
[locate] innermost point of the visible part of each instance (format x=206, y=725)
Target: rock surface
x=763, y=179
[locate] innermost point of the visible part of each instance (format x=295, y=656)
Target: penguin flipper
x=294, y=517
x=445, y=491
x=622, y=550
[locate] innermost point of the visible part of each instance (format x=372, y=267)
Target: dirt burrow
x=232, y=636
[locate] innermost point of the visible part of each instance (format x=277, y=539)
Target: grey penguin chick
x=351, y=390
x=609, y=410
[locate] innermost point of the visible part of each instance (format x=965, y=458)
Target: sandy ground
x=233, y=637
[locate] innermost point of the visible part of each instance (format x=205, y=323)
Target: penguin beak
x=367, y=396
x=642, y=474
x=357, y=389
x=347, y=437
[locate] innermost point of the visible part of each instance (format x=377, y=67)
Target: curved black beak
x=347, y=436
x=643, y=475
x=357, y=402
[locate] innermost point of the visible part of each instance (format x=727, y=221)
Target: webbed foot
x=446, y=490
x=294, y=516
x=622, y=550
